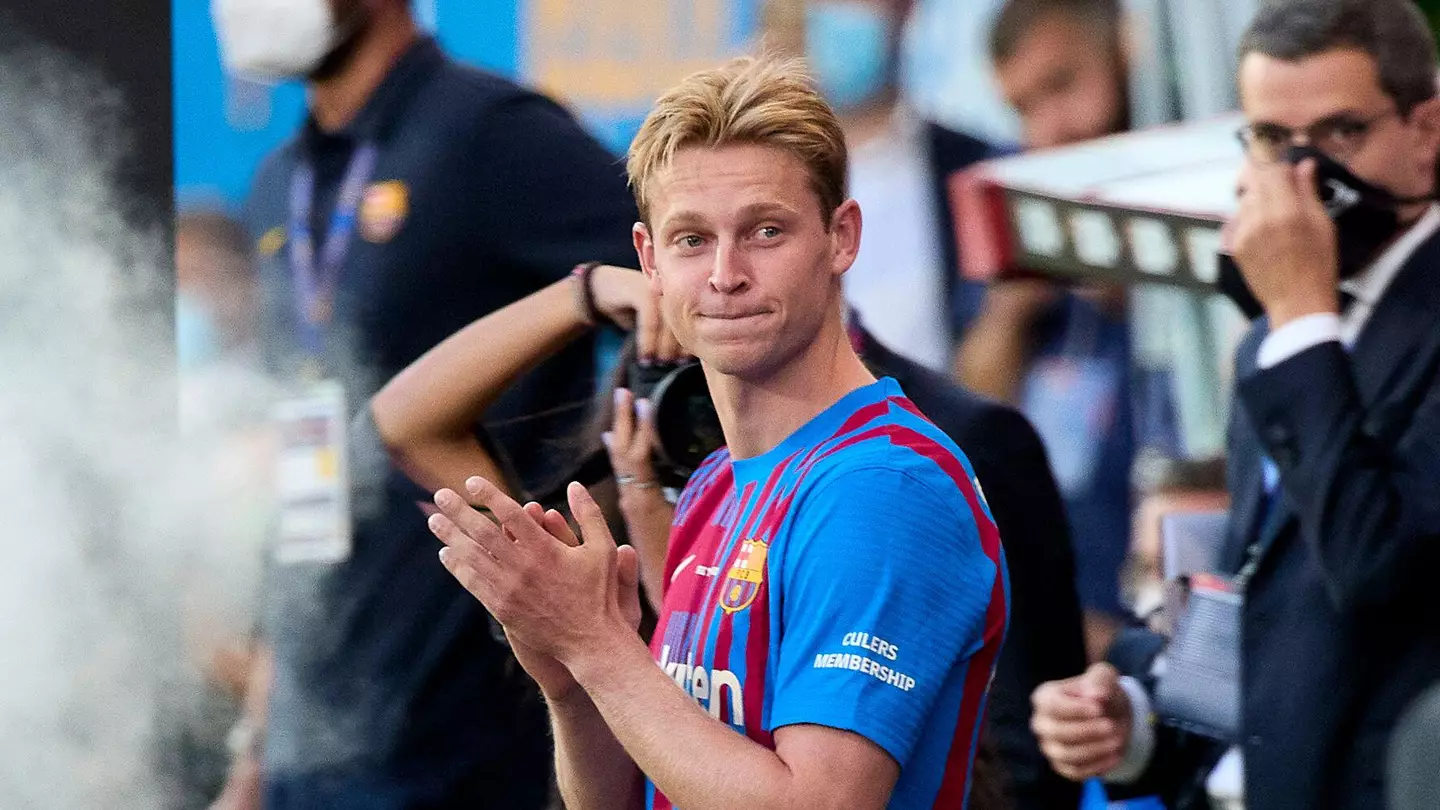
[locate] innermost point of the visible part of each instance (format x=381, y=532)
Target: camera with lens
x=686, y=425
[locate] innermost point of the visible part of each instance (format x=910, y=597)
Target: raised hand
x=630, y=300
x=556, y=598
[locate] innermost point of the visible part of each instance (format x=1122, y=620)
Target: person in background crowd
x=904, y=278
x=1334, y=530
x=1063, y=356
x=216, y=335
x=785, y=618
x=417, y=196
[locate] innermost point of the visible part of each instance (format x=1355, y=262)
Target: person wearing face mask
x=902, y=282
x=1329, y=631
x=418, y=196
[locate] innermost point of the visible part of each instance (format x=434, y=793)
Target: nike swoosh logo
x=680, y=569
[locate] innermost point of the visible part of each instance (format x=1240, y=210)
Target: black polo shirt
x=483, y=193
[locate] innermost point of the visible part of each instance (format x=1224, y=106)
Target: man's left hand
x=560, y=600
x=1284, y=242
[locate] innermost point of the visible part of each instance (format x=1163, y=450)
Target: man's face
x=1065, y=81
x=739, y=251
x=1341, y=89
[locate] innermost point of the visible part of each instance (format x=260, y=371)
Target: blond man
x=836, y=590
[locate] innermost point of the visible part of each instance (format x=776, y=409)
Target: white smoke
x=119, y=541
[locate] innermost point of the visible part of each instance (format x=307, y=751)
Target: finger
x=594, y=532
x=644, y=437
x=1086, y=771
x=627, y=568
x=1306, y=187
x=1062, y=704
x=1271, y=182
x=1075, y=732
x=467, y=522
x=1088, y=759
x=454, y=537
x=556, y=524
x=1100, y=682
x=648, y=328
x=667, y=348
x=467, y=570
x=622, y=427
x=507, y=512
x=627, y=576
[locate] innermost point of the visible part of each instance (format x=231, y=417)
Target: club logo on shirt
x=742, y=584
x=384, y=210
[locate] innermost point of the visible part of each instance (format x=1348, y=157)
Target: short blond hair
x=766, y=101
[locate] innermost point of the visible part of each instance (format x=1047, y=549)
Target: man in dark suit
x=1335, y=437
x=1046, y=638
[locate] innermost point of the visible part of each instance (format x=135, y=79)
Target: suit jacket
x=1339, y=633
x=1045, y=640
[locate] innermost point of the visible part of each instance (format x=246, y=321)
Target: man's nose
x=731, y=272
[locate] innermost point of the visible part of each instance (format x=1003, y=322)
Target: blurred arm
x=995, y=352
x=647, y=521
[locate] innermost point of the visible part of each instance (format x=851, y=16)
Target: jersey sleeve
x=885, y=588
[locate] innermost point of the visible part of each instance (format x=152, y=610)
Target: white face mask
x=274, y=39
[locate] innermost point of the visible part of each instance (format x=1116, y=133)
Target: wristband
x=586, y=295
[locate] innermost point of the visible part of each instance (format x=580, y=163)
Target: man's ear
x=1426, y=119
x=845, y=227
x=645, y=250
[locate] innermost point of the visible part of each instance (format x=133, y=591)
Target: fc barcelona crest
x=742, y=584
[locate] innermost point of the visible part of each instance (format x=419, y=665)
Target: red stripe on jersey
x=905, y=403
x=711, y=603
x=661, y=803
x=955, y=784
x=864, y=416
x=721, y=659
x=686, y=544
x=757, y=654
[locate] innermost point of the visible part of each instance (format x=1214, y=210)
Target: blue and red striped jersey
x=852, y=577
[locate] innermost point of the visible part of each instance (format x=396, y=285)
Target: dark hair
x=1392, y=32
x=1018, y=18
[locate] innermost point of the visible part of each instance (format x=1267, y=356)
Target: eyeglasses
x=1339, y=136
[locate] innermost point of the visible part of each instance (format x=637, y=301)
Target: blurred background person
x=1063, y=354
x=905, y=276
x=417, y=196
x=223, y=403
x=217, y=338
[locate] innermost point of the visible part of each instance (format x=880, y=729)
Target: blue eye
x=769, y=232
x=691, y=241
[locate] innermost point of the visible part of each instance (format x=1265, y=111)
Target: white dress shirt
x=898, y=282
x=1226, y=784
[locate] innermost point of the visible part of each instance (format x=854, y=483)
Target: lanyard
x=315, y=282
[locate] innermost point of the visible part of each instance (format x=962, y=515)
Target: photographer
x=1335, y=524
x=425, y=415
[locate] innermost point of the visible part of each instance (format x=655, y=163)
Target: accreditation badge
x=312, y=480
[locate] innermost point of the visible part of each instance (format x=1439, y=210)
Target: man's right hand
x=555, y=681
x=1083, y=723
